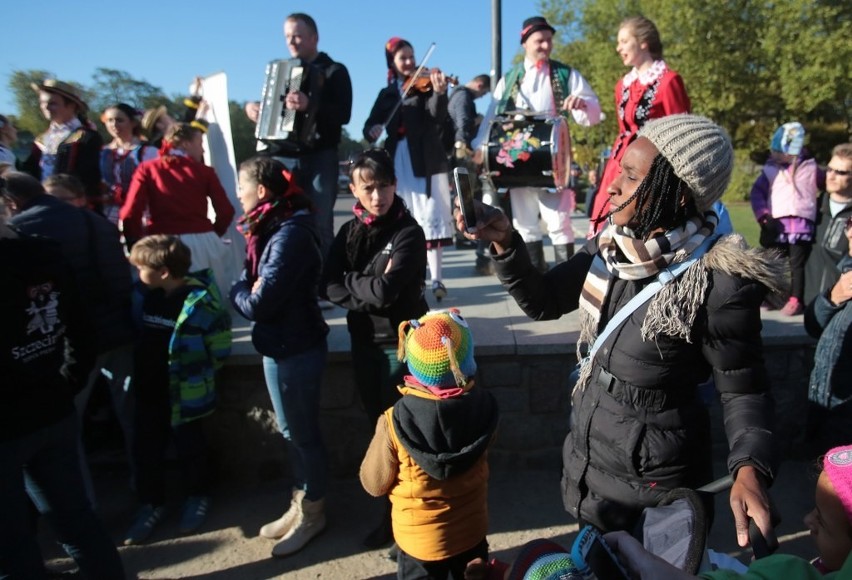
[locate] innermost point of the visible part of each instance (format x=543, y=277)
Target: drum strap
x=559, y=75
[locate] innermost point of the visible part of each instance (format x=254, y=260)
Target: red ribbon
x=292, y=187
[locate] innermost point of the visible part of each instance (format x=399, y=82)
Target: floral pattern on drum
x=517, y=145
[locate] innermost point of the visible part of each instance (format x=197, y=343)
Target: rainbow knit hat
x=438, y=349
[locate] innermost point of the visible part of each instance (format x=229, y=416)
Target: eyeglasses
x=839, y=172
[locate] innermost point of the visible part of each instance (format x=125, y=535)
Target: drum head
x=560, y=150
x=531, y=151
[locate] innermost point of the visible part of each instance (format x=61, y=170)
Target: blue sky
x=168, y=43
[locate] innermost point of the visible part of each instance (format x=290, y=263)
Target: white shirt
x=536, y=94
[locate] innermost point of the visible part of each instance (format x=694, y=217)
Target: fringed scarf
x=255, y=226
x=625, y=257
x=362, y=238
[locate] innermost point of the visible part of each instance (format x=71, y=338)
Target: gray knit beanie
x=698, y=150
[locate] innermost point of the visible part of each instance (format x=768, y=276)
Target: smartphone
x=464, y=189
x=593, y=556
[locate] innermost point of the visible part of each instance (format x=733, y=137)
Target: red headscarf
x=391, y=48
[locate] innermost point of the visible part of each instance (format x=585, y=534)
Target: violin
x=422, y=82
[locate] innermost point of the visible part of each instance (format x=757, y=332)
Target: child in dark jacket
x=185, y=337
x=375, y=270
x=429, y=451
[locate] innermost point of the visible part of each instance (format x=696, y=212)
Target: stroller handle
x=718, y=485
x=759, y=545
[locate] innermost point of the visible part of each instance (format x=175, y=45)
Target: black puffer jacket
x=643, y=432
x=378, y=300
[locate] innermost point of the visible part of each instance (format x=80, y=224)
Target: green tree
x=242, y=132
x=112, y=86
x=748, y=65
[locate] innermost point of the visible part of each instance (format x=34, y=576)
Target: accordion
x=292, y=131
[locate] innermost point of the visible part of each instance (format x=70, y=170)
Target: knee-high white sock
x=433, y=258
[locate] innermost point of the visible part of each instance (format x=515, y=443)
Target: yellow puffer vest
x=434, y=519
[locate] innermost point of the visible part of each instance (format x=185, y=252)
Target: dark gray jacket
x=830, y=245
x=92, y=247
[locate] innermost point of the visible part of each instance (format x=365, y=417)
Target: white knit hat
x=698, y=150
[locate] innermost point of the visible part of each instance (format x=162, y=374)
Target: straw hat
x=63, y=89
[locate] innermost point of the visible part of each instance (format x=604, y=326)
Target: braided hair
x=663, y=200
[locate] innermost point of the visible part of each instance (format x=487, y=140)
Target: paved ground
x=524, y=505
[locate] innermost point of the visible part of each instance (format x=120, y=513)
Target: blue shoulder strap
x=664, y=277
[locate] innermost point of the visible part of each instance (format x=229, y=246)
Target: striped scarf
x=625, y=257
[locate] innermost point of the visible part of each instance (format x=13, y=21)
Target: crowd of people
x=115, y=257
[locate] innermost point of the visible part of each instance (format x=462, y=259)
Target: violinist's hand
x=439, y=81
x=573, y=102
x=252, y=109
x=750, y=500
x=492, y=225
x=375, y=132
x=477, y=156
x=296, y=101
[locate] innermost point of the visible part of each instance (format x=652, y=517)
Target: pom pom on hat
x=542, y=560
x=788, y=138
x=698, y=150
x=837, y=463
x=438, y=349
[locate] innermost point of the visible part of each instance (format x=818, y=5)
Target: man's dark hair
x=309, y=22
x=68, y=182
x=21, y=187
x=485, y=80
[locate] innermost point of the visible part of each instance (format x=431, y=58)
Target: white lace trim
x=647, y=77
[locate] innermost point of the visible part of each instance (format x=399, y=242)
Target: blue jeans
x=294, y=387
x=317, y=175
x=45, y=465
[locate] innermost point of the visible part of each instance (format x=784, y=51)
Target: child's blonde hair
x=162, y=251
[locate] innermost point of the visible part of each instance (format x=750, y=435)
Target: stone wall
x=532, y=391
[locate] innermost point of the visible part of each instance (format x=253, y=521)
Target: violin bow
x=407, y=89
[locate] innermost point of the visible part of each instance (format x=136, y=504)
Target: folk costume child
x=429, y=451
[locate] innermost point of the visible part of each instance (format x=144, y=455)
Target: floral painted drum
x=527, y=151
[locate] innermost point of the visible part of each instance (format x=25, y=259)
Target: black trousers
x=153, y=432
x=410, y=568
